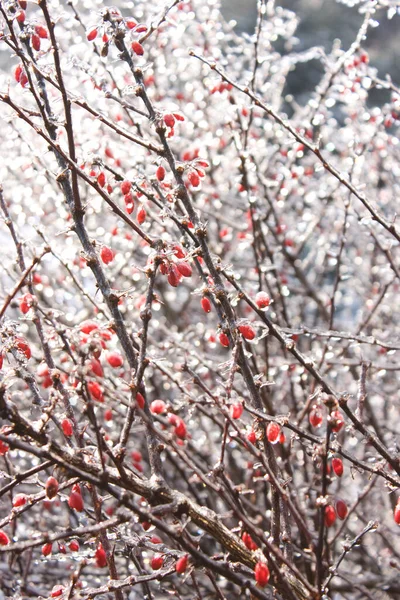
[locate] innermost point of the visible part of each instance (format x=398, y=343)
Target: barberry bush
x=199, y=308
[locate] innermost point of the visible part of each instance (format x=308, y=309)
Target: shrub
x=199, y=319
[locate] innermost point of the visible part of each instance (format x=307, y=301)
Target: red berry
x=25, y=303
x=96, y=367
x=22, y=346
x=160, y=173
x=126, y=187
x=20, y=16
x=247, y=331
x=23, y=4
x=273, y=432
x=140, y=400
x=236, y=410
x=261, y=574
x=101, y=179
x=337, y=421
x=57, y=591
x=67, y=427
x=158, y=407
x=88, y=326
x=137, y=48
x=341, y=509
x=179, y=251
x=315, y=417
x=108, y=416
x=337, y=466
x=223, y=339
x=141, y=215
x=330, y=515
x=19, y=500
x=74, y=545
x=41, y=31
x=174, y=276
x=107, y=255
x=4, y=539
x=95, y=391
x=155, y=540
x=184, y=268
x=23, y=79
x=130, y=23
x=136, y=456
x=114, y=359
x=181, y=564
x=4, y=448
x=75, y=501
x=146, y=525
x=92, y=35
x=194, y=179
x=47, y=548
x=180, y=429
x=206, y=304
x=169, y=120
x=157, y=562
x=251, y=436
x=51, y=487
x=262, y=300
x=248, y=541
x=35, y=41
x=397, y=512
x=18, y=72
x=100, y=556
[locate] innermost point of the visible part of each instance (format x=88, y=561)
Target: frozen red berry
x=137, y=48
x=273, y=432
x=126, y=187
x=95, y=391
x=157, y=562
x=114, y=359
x=158, y=407
x=41, y=31
x=261, y=574
x=92, y=35
x=236, y=410
x=341, y=509
x=337, y=421
x=223, y=339
x=169, y=120
x=75, y=501
x=330, y=515
x=397, y=513
x=51, y=487
x=66, y=426
x=107, y=255
x=4, y=539
x=184, y=268
x=181, y=564
x=315, y=417
x=47, y=548
x=100, y=556
x=74, y=546
x=337, y=466
x=206, y=304
x=19, y=500
x=160, y=173
x=140, y=401
x=247, y=331
x=262, y=300
x=141, y=215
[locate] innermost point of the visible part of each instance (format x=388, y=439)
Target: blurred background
x=323, y=21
